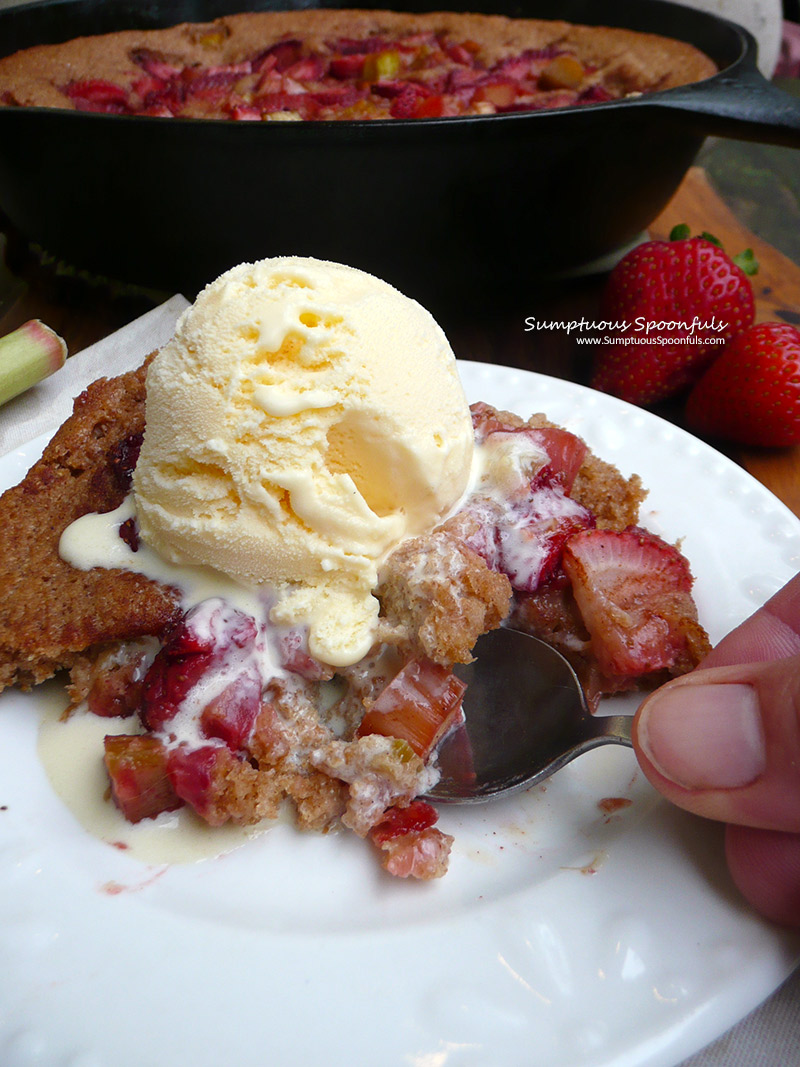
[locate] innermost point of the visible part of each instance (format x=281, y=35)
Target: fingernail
x=704, y=736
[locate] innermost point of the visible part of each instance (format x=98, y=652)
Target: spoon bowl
x=525, y=717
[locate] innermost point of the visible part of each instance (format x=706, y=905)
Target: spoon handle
x=613, y=729
x=597, y=730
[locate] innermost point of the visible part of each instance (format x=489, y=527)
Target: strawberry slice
x=339, y=96
x=96, y=90
x=350, y=67
x=231, y=715
x=96, y=94
x=523, y=533
x=279, y=56
x=137, y=769
x=531, y=542
x=633, y=591
x=462, y=53
x=209, y=637
x=410, y=98
x=431, y=107
x=566, y=453
x=155, y=65
x=419, y=706
x=303, y=103
x=396, y=821
x=308, y=69
x=412, y=846
x=565, y=450
x=198, y=777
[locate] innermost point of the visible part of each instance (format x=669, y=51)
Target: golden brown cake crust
x=438, y=596
x=50, y=612
x=627, y=61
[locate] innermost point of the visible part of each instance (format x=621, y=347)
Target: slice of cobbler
x=234, y=716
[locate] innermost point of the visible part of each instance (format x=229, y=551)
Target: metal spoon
x=525, y=718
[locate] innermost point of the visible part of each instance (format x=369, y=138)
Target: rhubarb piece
x=418, y=706
x=411, y=844
x=423, y=855
x=28, y=355
x=137, y=769
x=498, y=94
x=634, y=595
x=563, y=72
x=382, y=65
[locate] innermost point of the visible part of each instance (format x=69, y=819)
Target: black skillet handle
x=739, y=103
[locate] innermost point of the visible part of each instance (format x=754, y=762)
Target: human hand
x=724, y=742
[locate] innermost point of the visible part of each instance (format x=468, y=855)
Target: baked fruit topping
x=232, y=715
x=347, y=65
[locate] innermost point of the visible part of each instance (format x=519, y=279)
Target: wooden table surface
x=84, y=312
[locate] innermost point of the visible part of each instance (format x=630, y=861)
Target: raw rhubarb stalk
x=28, y=355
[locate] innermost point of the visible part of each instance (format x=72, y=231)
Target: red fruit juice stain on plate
x=114, y=889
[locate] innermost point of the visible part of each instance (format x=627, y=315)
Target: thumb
x=724, y=742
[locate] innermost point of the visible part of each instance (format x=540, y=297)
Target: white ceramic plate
x=563, y=935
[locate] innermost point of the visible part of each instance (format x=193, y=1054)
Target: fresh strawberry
x=673, y=304
x=751, y=394
x=633, y=591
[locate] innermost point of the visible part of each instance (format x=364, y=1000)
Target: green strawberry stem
x=745, y=260
x=680, y=232
x=28, y=355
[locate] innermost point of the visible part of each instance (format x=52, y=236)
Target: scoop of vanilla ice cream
x=304, y=419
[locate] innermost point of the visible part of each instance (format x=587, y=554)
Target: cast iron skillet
x=464, y=210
